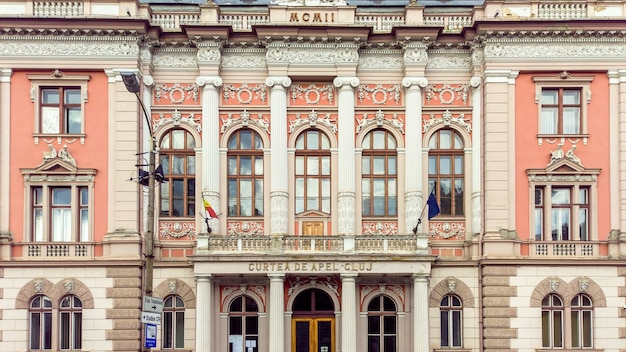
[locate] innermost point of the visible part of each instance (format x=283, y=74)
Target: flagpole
x=419, y=221
x=206, y=215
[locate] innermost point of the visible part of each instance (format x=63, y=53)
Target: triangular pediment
x=57, y=169
x=565, y=166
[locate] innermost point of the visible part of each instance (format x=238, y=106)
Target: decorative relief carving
x=346, y=205
x=398, y=290
x=446, y=119
x=379, y=228
x=176, y=93
x=181, y=58
x=177, y=229
x=246, y=59
x=171, y=284
x=447, y=230
x=372, y=60
x=245, y=93
x=563, y=178
x=313, y=119
x=312, y=94
x=329, y=281
x=176, y=119
x=447, y=94
x=38, y=286
x=379, y=94
x=449, y=61
x=246, y=228
x=554, y=285
x=228, y=290
x=40, y=46
x=583, y=285
x=580, y=48
x=451, y=285
x=312, y=53
x=63, y=154
x=69, y=286
x=414, y=54
x=379, y=119
x=245, y=120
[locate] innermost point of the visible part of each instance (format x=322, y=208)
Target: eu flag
x=433, y=207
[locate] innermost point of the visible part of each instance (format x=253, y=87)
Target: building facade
x=330, y=175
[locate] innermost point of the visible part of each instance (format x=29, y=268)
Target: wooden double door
x=313, y=334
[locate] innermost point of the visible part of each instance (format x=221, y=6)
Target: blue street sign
x=151, y=335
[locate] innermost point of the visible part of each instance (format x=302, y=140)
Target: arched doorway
x=313, y=322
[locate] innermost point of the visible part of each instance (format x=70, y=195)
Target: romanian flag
x=209, y=209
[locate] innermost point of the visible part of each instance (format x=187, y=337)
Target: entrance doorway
x=313, y=322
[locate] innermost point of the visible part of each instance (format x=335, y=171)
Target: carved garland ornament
x=379, y=228
x=245, y=229
x=177, y=230
x=228, y=290
x=313, y=94
x=379, y=94
x=368, y=289
x=176, y=93
x=245, y=93
x=447, y=94
x=447, y=230
x=329, y=281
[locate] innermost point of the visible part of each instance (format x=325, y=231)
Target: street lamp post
x=132, y=85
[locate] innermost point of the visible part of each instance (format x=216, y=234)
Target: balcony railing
x=401, y=244
x=58, y=8
x=173, y=21
x=562, y=11
x=572, y=249
x=57, y=250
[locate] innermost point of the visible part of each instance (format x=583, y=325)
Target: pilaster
x=204, y=326
x=348, y=312
x=421, y=341
x=277, y=313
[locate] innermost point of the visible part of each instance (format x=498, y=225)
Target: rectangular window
x=61, y=110
x=60, y=214
x=563, y=216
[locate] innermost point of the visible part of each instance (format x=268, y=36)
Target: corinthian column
x=279, y=197
x=346, y=197
x=210, y=156
x=277, y=313
x=204, y=328
x=420, y=314
x=413, y=165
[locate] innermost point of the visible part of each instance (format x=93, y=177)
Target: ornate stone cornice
x=380, y=59
x=56, y=45
x=583, y=48
x=175, y=57
x=251, y=58
x=312, y=53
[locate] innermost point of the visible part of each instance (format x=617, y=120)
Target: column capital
x=348, y=276
x=148, y=81
x=5, y=74
x=203, y=277
x=276, y=81
x=209, y=81
x=475, y=82
x=414, y=82
x=276, y=276
x=421, y=277
x=341, y=82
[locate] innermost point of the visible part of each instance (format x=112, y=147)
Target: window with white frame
x=178, y=160
x=173, y=322
x=446, y=171
x=312, y=172
x=451, y=321
x=562, y=104
x=561, y=212
x=59, y=101
x=382, y=325
x=379, y=174
x=552, y=315
x=245, y=174
x=243, y=325
x=43, y=330
x=60, y=213
x=582, y=321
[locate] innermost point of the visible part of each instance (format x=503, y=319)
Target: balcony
x=565, y=249
x=57, y=250
x=315, y=245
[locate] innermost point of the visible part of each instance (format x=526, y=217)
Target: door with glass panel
x=313, y=335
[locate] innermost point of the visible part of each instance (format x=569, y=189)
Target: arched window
x=451, y=324
x=245, y=174
x=40, y=315
x=446, y=171
x=382, y=327
x=312, y=172
x=179, y=169
x=243, y=325
x=71, y=323
x=582, y=321
x=552, y=321
x=173, y=322
x=379, y=174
